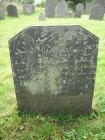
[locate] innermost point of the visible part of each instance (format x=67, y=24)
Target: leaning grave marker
x=54, y=69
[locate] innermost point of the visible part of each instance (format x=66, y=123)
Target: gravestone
x=12, y=10
x=97, y=12
x=50, y=8
x=54, y=69
x=28, y=8
x=62, y=8
x=88, y=7
x=80, y=7
x=42, y=16
x=2, y=15
x=101, y=2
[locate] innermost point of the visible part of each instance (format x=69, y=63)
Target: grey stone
x=62, y=8
x=88, y=7
x=77, y=14
x=12, y=10
x=28, y=8
x=42, y=16
x=80, y=7
x=2, y=14
x=54, y=69
x=101, y=2
x=50, y=8
x=97, y=12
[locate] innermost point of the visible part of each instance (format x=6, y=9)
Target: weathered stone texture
x=62, y=8
x=28, y=8
x=97, y=12
x=54, y=68
x=50, y=8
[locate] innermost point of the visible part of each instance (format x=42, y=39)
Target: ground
x=53, y=127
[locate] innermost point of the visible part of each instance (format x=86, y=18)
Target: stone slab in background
x=80, y=7
x=28, y=8
x=50, y=8
x=62, y=8
x=2, y=13
x=88, y=7
x=12, y=10
x=97, y=12
x=54, y=69
x=101, y=2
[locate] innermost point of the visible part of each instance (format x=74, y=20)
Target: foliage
x=42, y=4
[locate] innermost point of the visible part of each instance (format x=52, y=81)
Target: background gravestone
x=101, y=2
x=12, y=11
x=50, y=8
x=62, y=8
x=88, y=7
x=42, y=16
x=28, y=8
x=2, y=15
x=54, y=69
x=97, y=12
x=80, y=7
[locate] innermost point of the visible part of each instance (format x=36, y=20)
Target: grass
x=55, y=127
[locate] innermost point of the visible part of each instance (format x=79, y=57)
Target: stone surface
x=97, y=12
x=54, y=69
x=28, y=8
x=12, y=10
x=50, y=8
x=62, y=8
x=80, y=7
x=2, y=14
x=88, y=7
x=42, y=16
x=101, y=2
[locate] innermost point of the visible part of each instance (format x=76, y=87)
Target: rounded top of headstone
x=11, y=5
x=88, y=7
x=80, y=7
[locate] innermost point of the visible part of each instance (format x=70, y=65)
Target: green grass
x=55, y=127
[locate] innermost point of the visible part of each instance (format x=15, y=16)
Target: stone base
x=81, y=104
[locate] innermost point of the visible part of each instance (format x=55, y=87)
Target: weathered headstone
x=54, y=69
x=88, y=7
x=62, y=8
x=2, y=15
x=50, y=8
x=101, y=2
x=42, y=16
x=12, y=10
x=28, y=8
x=80, y=7
x=97, y=12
